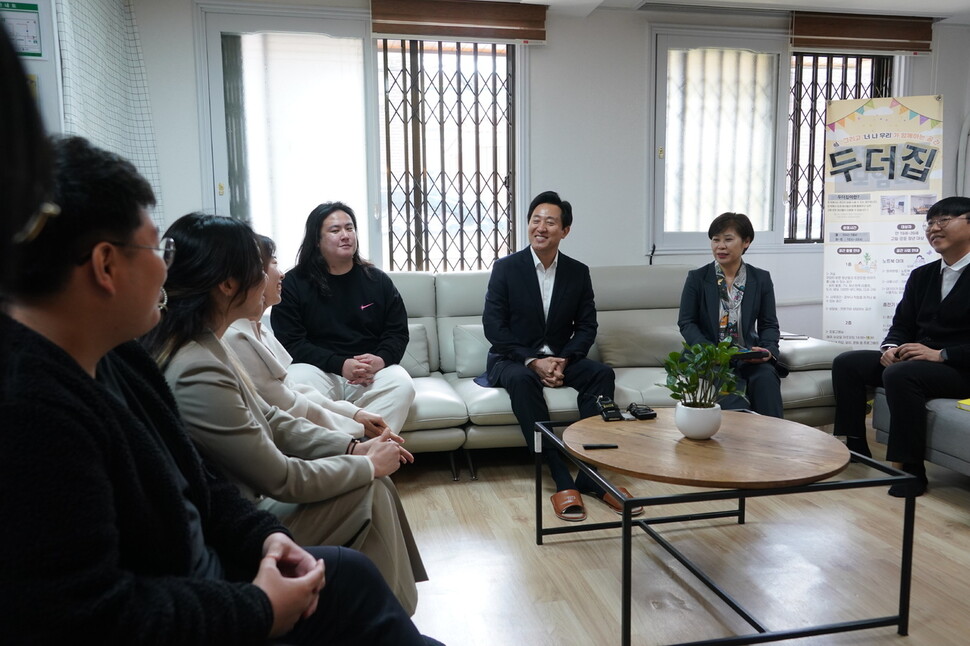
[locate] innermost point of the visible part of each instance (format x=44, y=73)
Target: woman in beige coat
x=325, y=485
x=269, y=365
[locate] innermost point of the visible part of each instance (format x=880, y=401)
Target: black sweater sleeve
x=289, y=319
x=95, y=545
x=394, y=339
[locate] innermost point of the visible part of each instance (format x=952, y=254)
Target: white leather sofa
x=637, y=313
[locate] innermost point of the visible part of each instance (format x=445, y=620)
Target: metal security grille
x=447, y=136
x=816, y=79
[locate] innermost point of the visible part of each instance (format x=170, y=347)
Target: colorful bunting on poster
x=894, y=105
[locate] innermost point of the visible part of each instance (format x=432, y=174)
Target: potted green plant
x=699, y=377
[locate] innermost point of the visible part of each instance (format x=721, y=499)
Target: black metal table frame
x=544, y=432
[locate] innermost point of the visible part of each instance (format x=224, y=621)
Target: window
x=720, y=124
x=722, y=143
x=720, y=137
x=815, y=80
x=289, y=124
x=447, y=128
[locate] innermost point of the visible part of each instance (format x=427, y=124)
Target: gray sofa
x=637, y=312
x=947, y=431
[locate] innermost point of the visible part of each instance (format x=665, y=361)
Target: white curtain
x=103, y=76
x=720, y=136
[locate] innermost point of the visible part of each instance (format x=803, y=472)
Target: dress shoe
x=858, y=445
x=918, y=488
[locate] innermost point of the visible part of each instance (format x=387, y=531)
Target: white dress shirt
x=951, y=273
x=547, y=281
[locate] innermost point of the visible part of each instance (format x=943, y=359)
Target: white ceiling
x=954, y=11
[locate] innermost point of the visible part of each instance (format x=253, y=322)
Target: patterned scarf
x=730, y=324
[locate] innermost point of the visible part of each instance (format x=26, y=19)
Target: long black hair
x=309, y=260
x=25, y=155
x=210, y=249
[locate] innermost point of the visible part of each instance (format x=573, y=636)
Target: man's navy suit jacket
x=515, y=323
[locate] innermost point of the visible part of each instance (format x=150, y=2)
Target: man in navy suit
x=926, y=353
x=541, y=321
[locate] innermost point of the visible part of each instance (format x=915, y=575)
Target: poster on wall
x=22, y=22
x=883, y=170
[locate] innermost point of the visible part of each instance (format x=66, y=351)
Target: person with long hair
x=25, y=171
x=325, y=485
x=116, y=531
x=343, y=315
x=25, y=159
x=730, y=299
x=268, y=365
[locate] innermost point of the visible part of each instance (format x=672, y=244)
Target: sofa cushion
x=436, y=405
x=471, y=349
x=809, y=354
x=636, y=338
x=639, y=384
x=415, y=359
x=491, y=406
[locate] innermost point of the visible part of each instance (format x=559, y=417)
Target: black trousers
x=356, y=606
x=590, y=378
x=909, y=385
x=762, y=390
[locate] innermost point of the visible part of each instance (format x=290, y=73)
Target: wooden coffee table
x=748, y=452
x=750, y=456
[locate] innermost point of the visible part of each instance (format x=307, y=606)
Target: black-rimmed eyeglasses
x=942, y=222
x=165, y=249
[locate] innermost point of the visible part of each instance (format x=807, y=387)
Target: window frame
x=769, y=40
x=792, y=234
x=208, y=18
x=513, y=157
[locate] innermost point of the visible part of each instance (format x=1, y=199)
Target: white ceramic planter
x=697, y=423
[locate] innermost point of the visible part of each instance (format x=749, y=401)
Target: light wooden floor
x=798, y=560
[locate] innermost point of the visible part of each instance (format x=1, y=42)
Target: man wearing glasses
x=926, y=353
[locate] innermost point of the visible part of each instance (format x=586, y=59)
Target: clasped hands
x=550, y=370
x=385, y=452
x=360, y=370
x=909, y=352
x=292, y=580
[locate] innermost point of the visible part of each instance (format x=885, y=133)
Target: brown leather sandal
x=617, y=506
x=568, y=505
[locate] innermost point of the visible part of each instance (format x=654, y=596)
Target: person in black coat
x=925, y=355
x=343, y=315
x=115, y=532
x=732, y=299
x=541, y=321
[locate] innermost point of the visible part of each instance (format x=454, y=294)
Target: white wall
x=590, y=110
x=168, y=46
x=168, y=43
x=588, y=131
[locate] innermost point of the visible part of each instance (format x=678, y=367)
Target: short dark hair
x=737, y=221
x=309, y=260
x=210, y=250
x=100, y=196
x=552, y=197
x=952, y=206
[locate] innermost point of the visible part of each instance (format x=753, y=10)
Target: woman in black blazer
x=730, y=298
